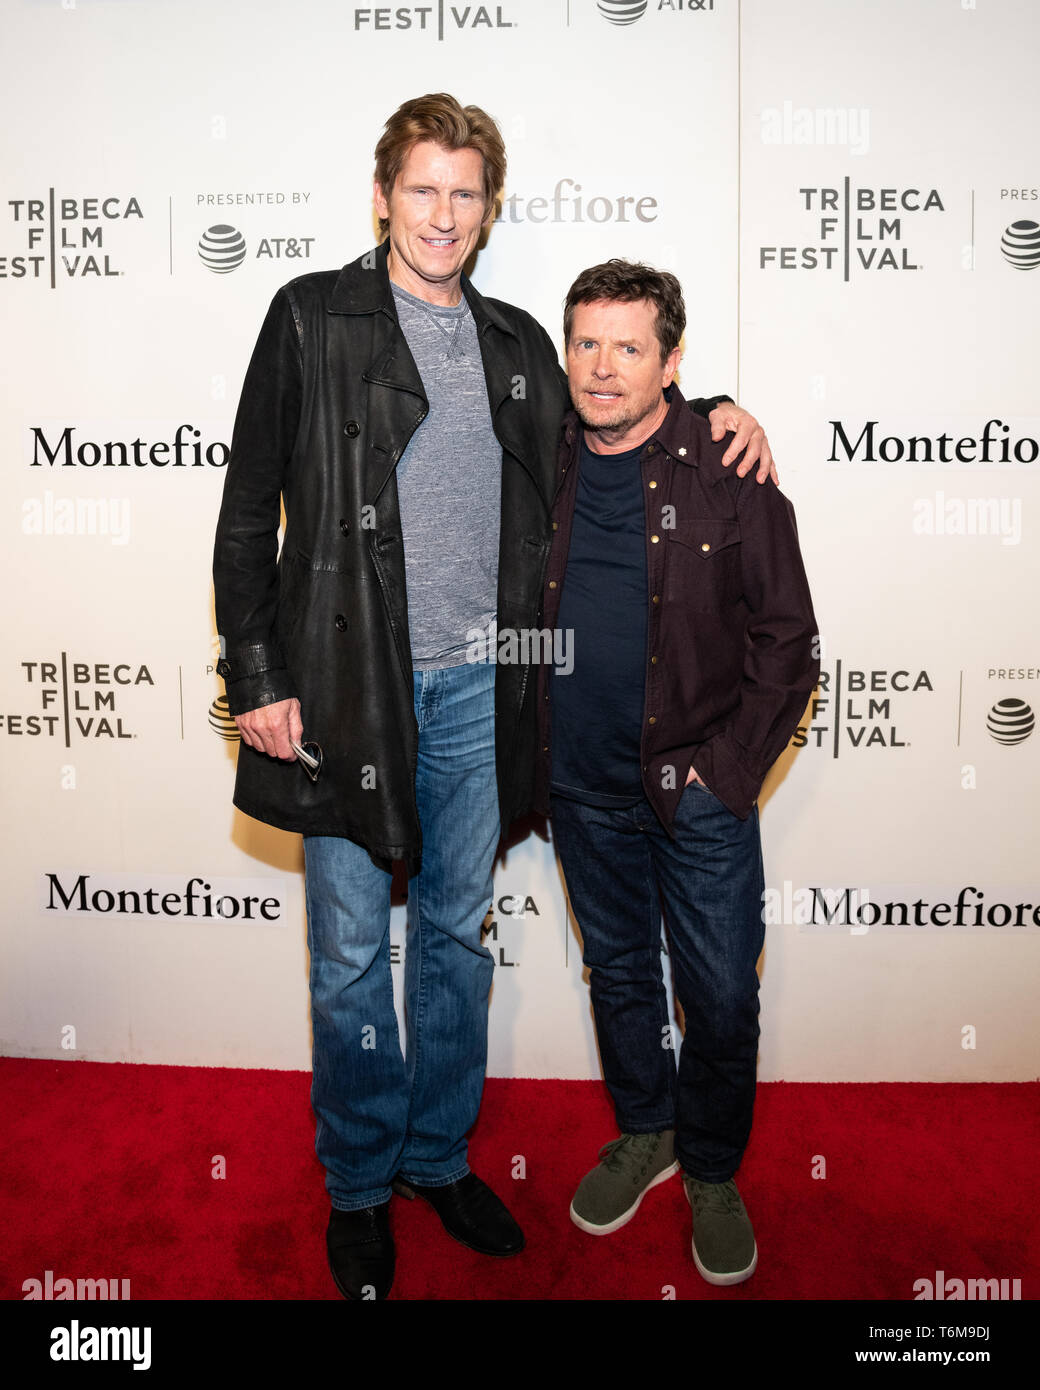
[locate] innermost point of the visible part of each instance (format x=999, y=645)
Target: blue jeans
x=380, y=1113
x=621, y=869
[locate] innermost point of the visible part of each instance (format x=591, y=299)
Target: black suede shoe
x=471, y=1213
x=361, y=1251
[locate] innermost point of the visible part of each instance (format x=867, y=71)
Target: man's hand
x=270, y=728
x=749, y=435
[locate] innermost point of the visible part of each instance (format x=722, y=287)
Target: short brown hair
x=439, y=117
x=624, y=282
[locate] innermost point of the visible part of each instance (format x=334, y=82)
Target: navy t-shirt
x=597, y=709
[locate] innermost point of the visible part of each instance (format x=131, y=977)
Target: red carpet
x=107, y=1173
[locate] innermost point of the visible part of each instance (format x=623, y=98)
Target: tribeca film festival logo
x=76, y=699
x=853, y=708
x=67, y=238
x=856, y=229
x=222, y=247
x=437, y=19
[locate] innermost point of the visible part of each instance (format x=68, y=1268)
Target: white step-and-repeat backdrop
x=849, y=195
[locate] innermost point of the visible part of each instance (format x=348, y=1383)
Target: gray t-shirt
x=449, y=484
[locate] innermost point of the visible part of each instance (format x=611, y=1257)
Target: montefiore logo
x=57, y=444
x=1010, y=721
x=136, y=895
x=865, y=442
x=1020, y=245
x=222, y=248
x=570, y=202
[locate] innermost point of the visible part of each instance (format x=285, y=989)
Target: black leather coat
x=331, y=397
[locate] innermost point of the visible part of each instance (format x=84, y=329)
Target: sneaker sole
x=737, y=1277
x=712, y=1276
x=625, y=1216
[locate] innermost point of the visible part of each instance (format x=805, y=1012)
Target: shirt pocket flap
x=705, y=536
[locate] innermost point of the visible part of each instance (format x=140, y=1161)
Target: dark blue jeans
x=622, y=869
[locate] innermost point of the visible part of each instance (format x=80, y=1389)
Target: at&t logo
x=222, y=248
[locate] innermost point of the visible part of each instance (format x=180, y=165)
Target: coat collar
x=364, y=287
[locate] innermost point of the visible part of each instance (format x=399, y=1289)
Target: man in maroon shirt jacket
x=686, y=610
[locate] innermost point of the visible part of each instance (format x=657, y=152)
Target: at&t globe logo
x=1010, y=721
x=1020, y=245
x=222, y=248
x=622, y=11
x=222, y=721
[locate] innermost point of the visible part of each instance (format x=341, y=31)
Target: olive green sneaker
x=724, y=1248
x=629, y=1167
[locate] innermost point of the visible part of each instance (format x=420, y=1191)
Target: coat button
x=556, y=525
x=682, y=452
x=705, y=547
x=650, y=448
x=352, y=428
x=653, y=661
x=552, y=583
x=652, y=483
x=652, y=719
x=656, y=598
x=344, y=526
x=654, y=540
x=341, y=622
